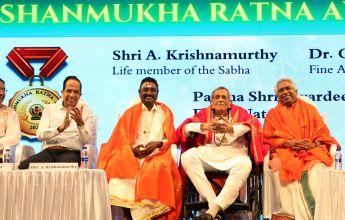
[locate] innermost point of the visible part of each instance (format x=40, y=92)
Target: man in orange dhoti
x=143, y=177
x=299, y=142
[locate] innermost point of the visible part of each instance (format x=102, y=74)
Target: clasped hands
x=72, y=113
x=218, y=125
x=304, y=144
x=141, y=151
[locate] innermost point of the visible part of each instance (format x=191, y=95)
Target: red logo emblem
x=19, y=57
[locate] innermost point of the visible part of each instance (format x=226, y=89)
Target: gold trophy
x=29, y=102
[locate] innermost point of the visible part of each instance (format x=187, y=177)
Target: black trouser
x=52, y=156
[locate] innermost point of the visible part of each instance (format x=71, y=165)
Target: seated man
x=299, y=141
x=221, y=128
x=143, y=176
x=64, y=127
x=9, y=123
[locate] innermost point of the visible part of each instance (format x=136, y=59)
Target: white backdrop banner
x=188, y=69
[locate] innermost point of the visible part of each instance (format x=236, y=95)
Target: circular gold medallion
x=29, y=104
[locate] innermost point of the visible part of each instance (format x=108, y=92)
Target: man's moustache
x=223, y=103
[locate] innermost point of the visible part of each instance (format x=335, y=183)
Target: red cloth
x=301, y=121
x=239, y=116
x=158, y=177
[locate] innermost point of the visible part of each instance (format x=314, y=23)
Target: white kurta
x=9, y=127
x=231, y=145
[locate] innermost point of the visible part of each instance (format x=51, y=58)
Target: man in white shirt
x=64, y=128
x=222, y=146
x=9, y=123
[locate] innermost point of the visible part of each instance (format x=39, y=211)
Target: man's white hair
x=221, y=88
x=283, y=80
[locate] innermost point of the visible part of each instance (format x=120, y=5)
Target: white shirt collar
x=144, y=108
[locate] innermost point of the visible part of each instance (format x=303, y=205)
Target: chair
x=22, y=152
x=249, y=200
x=92, y=147
x=270, y=199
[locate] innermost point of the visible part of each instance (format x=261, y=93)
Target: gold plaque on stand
x=29, y=104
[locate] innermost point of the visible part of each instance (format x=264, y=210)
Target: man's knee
x=24, y=165
x=246, y=164
x=33, y=159
x=242, y=167
x=188, y=158
x=69, y=157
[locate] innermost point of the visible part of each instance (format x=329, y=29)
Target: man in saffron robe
x=143, y=177
x=299, y=142
x=221, y=132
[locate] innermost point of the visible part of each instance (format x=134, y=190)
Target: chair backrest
x=92, y=147
x=307, y=100
x=22, y=152
x=311, y=102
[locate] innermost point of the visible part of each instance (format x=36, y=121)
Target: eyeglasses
x=3, y=89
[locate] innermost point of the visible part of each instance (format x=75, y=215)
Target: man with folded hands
x=299, y=143
x=143, y=176
x=221, y=146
